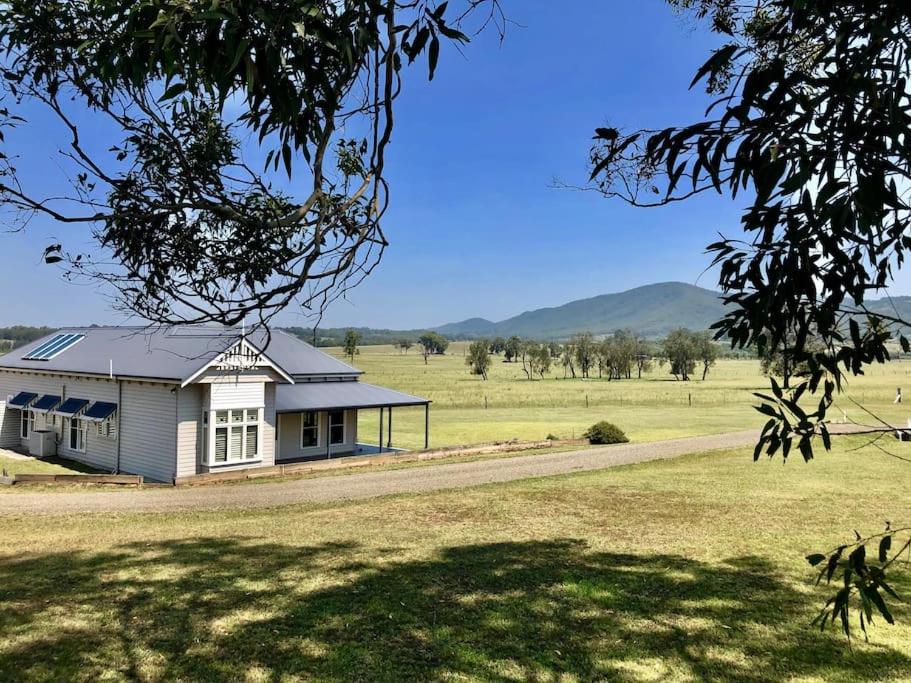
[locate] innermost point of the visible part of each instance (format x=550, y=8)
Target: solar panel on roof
x=54, y=346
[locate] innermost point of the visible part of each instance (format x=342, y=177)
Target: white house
x=171, y=403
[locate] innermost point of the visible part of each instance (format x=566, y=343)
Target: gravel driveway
x=364, y=484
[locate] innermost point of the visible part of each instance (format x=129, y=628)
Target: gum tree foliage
x=511, y=349
x=681, y=349
x=568, y=359
x=433, y=343
x=189, y=225
x=809, y=125
x=585, y=352
x=535, y=358
x=497, y=345
x=478, y=357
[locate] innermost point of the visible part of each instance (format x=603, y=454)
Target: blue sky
x=474, y=225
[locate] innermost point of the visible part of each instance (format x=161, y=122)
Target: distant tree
x=616, y=354
x=535, y=359
x=585, y=352
x=403, y=345
x=644, y=355
x=543, y=360
x=512, y=348
x=352, y=339
x=497, y=345
x=706, y=351
x=568, y=359
x=782, y=361
x=478, y=358
x=433, y=343
x=555, y=349
x=679, y=347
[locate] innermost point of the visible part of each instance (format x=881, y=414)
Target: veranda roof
x=297, y=398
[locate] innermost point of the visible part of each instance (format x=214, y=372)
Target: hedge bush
x=605, y=432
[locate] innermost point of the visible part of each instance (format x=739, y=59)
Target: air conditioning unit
x=43, y=443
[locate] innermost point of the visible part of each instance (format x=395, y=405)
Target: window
x=107, y=428
x=336, y=427
x=77, y=435
x=309, y=429
x=236, y=435
x=27, y=422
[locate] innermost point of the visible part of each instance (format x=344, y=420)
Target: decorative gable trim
x=241, y=356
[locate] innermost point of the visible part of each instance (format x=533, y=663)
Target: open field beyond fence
x=467, y=409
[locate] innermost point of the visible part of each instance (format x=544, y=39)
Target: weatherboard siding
x=148, y=428
x=100, y=452
x=236, y=394
x=190, y=402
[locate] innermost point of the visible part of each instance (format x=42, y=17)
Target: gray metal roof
x=175, y=353
x=295, y=398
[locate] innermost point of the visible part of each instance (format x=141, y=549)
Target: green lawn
x=36, y=466
x=655, y=407
x=688, y=569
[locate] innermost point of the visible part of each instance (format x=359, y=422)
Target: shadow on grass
x=237, y=608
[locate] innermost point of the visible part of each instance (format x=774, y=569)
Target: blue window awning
x=22, y=399
x=100, y=411
x=45, y=403
x=71, y=407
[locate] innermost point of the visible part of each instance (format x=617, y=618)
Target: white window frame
x=81, y=432
x=26, y=423
x=210, y=419
x=315, y=427
x=331, y=424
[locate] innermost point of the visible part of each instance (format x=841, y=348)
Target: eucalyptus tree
x=191, y=224
x=585, y=351
x=512, y=348
x=809, y=127
x=478, y=358
x=680, y=349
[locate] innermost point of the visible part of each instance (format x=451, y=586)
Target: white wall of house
x=289, y=436
x=217, y=391
x=148, y=429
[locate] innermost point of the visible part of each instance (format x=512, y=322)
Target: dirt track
x=362, y=484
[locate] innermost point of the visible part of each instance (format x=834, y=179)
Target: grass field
x=655, y=407
x=680, y=570
x=689, y=569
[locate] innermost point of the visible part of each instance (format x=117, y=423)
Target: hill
x=651, y=310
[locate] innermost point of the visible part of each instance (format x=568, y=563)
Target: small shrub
x=604, y=432
x=551, y=437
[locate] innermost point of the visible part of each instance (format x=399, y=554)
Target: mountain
x=651, y=310
x=473, y=327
